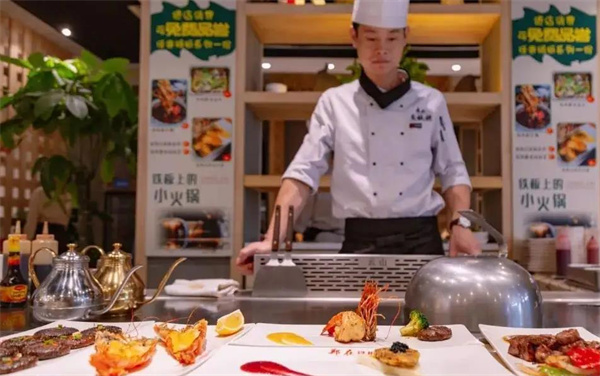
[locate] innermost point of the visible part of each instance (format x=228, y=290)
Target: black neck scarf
x=383, y=99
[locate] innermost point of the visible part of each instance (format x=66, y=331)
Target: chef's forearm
x=294, y=193
x=457, y=198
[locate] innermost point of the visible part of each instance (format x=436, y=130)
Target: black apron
x=393, y=236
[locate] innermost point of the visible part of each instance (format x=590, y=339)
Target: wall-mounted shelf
x=464, y=107
x=268, y=183
x=429, y=23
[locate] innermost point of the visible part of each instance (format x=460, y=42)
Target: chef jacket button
x=401, y=106
x=401, y=163
x=374, y=193
x=400, y=194
x=374, y=163
x=371, y=104
x=401, y=133
x=372, y=133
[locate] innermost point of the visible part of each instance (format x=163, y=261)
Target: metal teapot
x=70, y=292
x=475, y=290
x=111, y=272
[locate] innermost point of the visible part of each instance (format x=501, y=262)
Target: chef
x=391, y=138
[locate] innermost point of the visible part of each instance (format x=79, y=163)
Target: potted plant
x=415, y=69
x=93, y=108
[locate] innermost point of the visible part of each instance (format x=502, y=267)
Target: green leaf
x=90, y=59
x=39, y=163
x=36, y=59
x=76, y=105
x=66, y=71
x=74, y=193
x=107, y=169
x=40, y=82
x=58, y=78
x=17, y=62
x=6, y=100
x=46, y=103
x=116, y=65
x=8, y=131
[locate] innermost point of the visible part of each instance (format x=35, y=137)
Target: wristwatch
x=460, y=221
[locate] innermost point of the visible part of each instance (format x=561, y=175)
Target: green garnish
x=77, y=335
x=60, y=326
x=49, y=342
x=6, y=359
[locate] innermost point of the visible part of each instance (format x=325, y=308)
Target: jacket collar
x=384, y=99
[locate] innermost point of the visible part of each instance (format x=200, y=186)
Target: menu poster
x=554, y=120
x=189, y=210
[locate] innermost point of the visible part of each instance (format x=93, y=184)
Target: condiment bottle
x=593, y=251
x=44, y=240
x=563, y=253
x=13, y=288
x=24, y=243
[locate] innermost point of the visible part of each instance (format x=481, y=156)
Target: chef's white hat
x=389, y=14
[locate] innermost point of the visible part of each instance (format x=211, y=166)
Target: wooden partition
x=20, y=35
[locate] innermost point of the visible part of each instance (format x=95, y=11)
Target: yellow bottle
x=44, y=240
x=24, y=243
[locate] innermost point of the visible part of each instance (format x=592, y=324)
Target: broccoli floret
x=418, y=322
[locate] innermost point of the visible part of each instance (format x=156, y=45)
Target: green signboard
x=203, y=32
x=565, y=37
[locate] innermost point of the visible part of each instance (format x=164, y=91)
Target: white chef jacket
x=385, y=160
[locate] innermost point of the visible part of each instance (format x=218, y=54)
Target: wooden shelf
x=464, y=107
x=328, y=24
x=268, y=183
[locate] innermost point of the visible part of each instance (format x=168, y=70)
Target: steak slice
x=16, y=363
x=109, y=328
x=7, y=351
x=50, y=333
x=48, y=349
x=435, y=333
x=567, y=337
x=18, y=342
x=541, y=353
x=78, y=340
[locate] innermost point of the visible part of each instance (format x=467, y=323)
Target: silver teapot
x=70, y=292
x=475, y=290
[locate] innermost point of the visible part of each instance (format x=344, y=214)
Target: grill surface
x=348, y=273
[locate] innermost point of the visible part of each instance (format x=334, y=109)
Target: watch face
x=464, y=222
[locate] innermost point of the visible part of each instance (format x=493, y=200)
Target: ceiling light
x=266, y=65
x=456, y=67
x=330, y=66
x=66, y=31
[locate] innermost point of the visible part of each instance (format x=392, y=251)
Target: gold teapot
x=111, y=271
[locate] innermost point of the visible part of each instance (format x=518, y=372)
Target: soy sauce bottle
x=13, y=288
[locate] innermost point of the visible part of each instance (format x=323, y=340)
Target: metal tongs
x=280, y=279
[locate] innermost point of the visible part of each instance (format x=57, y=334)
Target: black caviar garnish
x=398, y=347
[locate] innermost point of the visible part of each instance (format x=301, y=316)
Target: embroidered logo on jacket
x=415, y=126
x=421, y=115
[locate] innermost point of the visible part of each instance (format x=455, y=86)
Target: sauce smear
x=270, y=368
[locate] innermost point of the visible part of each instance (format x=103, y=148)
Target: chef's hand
x=245, y=260
x=463, y=241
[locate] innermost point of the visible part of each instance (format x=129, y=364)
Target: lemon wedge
x=230, y=323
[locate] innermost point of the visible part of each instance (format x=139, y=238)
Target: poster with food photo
x=211, y=138
x=573, y=85
x=210, y=80
x=206, y=229
x=576, y=144
x=532, y=107
x=169, y=102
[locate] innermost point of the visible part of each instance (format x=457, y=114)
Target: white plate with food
x=46, y=348
x=435, y=336
x=545, y=352
x=339, y=360
x=155, y=349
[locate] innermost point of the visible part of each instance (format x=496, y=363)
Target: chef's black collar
x=384, y=99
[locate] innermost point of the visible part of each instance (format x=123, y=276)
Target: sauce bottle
x=563, y=253
x=24, y=243
x=13, y=288
x=593, y=251
x=44, y=240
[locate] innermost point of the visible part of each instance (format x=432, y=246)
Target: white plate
x=77, y=362
x=385, y=337
x=495, y=335
x=227, y=126
x=49, y=367
x=460, y=337
x=455, y=361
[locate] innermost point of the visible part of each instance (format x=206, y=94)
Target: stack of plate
x=541, y=255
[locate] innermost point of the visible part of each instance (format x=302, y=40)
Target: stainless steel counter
x=561, y=309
